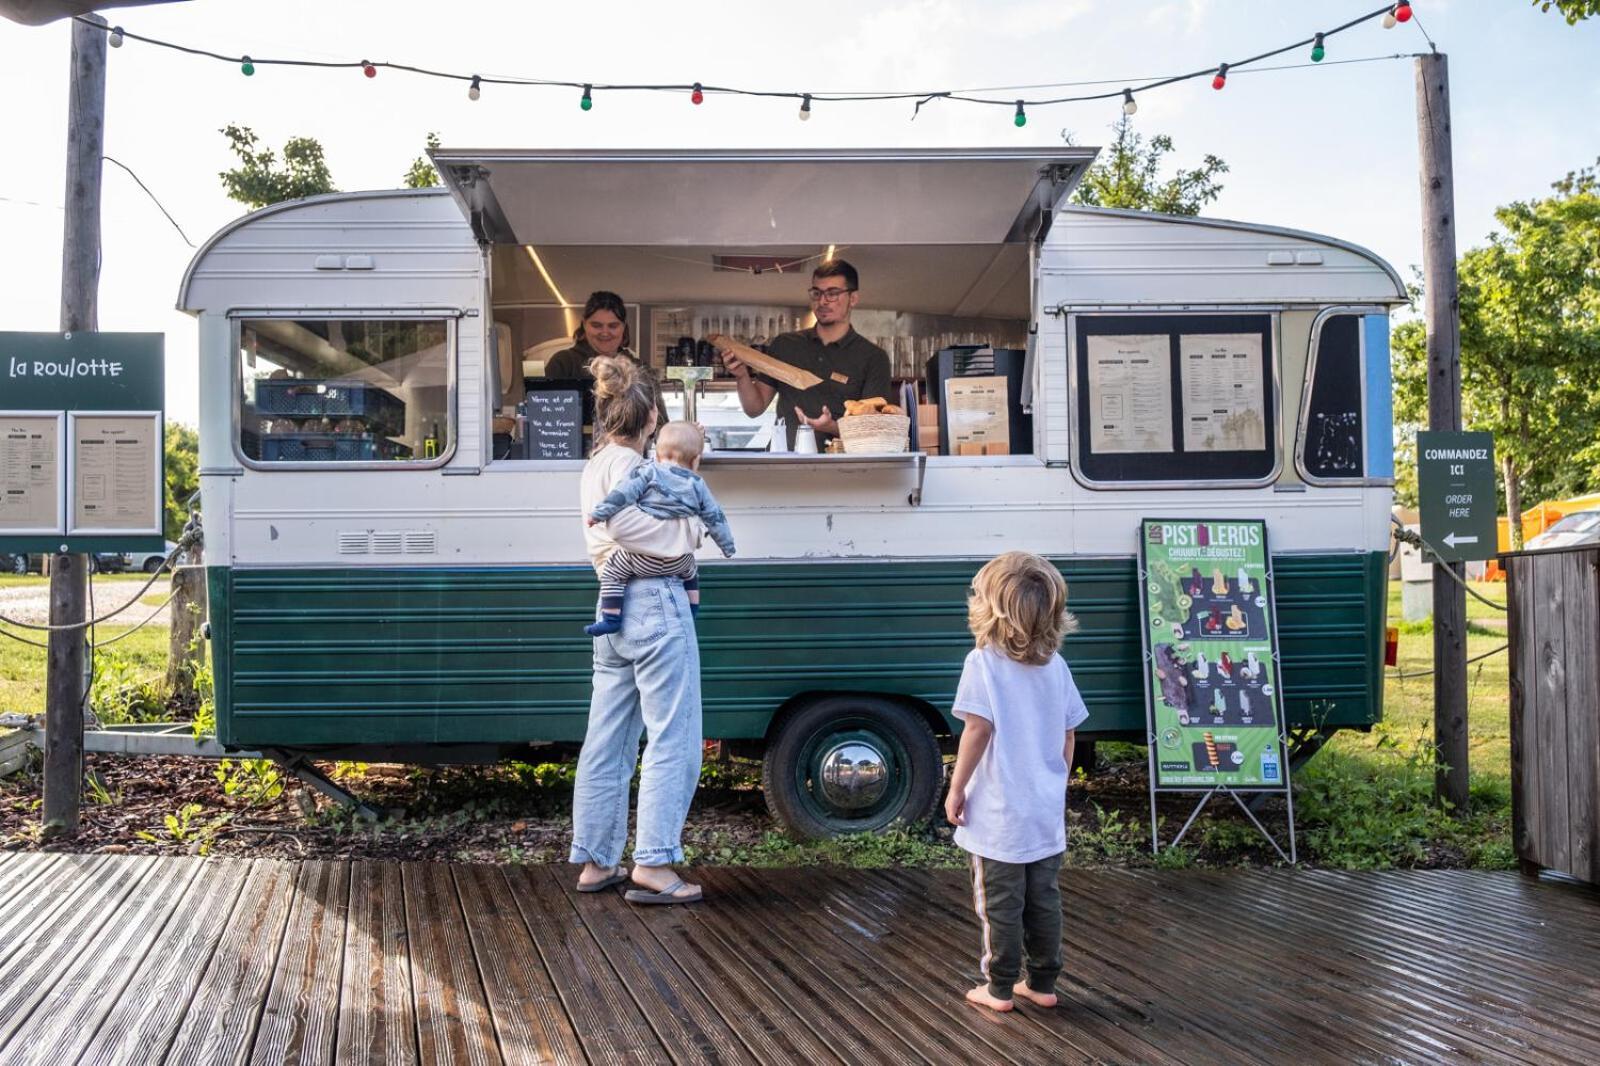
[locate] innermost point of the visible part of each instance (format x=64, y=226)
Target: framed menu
x=115, y=461
x=31, y=446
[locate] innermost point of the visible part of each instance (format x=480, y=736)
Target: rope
x=188, y=540
x=1403, y=676
x=1407, y=536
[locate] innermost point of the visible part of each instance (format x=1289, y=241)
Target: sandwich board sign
x=1213, y=695
x=82, y=434
x=1456, y=495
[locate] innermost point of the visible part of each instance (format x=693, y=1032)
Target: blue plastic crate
x=305, y=397
x=329, y=448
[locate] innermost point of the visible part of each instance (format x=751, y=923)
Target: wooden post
x=80, y=286
x=1441, y=314
x=183, y=645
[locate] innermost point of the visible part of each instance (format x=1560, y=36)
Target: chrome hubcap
x=854, y=775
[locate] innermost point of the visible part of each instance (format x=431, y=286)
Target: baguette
x=787, y=373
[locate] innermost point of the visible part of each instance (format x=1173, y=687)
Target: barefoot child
x=666, y=489
x=1019, y=710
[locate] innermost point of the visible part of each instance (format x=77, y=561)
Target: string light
x=473, y=91
x=1317, y=51
x=1402, y=11
x=246, y=67
x=1130, y=106
x=368, y=69
x=697, y=97
x=114, y=38
x=588, y=100
x=1021, y=118
x=805, y=108
x=1222, y=77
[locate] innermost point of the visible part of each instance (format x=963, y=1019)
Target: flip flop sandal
x=616, y=877
x=665, y=896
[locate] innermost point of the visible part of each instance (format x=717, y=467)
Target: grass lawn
x=140, y=660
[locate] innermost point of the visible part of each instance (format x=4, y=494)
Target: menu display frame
x=77, y=489
x=1118, y=468
x=1190, y=570
x=59, y=526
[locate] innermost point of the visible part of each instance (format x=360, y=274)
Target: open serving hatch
x=938, y=231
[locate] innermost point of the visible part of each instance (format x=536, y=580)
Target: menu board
x=116, y=465
x=1224, y=393
x=1213, y=694
x=1130, y=393
x=555, y=424
x=30, y=473
x=977, y=411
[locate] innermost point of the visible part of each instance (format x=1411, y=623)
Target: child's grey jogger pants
x=1019, y=908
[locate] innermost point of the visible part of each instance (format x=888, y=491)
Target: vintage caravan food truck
x=395, y=553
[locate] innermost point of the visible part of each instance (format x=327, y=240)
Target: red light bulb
x=368, y=69
x=1222, y=77
x=697, y=97
x=1402, y=11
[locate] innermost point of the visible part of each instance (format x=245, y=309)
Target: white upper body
x=630, y=528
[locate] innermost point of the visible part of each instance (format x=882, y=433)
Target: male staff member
x=850, y=366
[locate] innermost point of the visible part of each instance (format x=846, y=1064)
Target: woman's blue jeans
x=646, y=680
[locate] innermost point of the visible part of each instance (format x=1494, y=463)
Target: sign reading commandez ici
x=82, y=428
x=1456, y=494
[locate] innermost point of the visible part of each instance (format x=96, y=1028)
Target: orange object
x=1391, y=646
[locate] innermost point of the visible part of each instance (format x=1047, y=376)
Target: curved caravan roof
x=390, y=248
x=1107, y=256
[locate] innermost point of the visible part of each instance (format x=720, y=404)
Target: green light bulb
x=1021, y=118
x=246, y=67
x=1317, y=53
x=587, y=102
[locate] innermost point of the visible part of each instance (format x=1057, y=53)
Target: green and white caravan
x=390, y=577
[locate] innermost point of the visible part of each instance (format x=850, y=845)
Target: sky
x=1330, y=148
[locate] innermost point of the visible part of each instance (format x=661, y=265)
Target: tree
x=1128, y=175
x=421, y=175
x=182, y=446
x=1575, y=10
x=260, y=180
x=1530, y=345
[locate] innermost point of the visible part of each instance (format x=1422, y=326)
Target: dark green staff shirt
x=851, y=368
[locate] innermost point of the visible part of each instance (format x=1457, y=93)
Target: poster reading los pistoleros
x=1214, y=694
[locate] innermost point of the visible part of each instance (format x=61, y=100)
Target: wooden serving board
x=787, y=373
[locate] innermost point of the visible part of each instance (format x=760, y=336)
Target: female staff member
x=646, y=677
x=603, y=331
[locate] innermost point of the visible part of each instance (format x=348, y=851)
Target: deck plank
x=607, y=1019
x=45, y=951
x=301, y=1017
x=45, y=895
x=220, y=1024
x=377, y=1018
x=18, y=871
x=146, y=1016
x=88, y=986
x=453, y=1024
x=531, y=1023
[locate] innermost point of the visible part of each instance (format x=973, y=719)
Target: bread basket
x=875, y=434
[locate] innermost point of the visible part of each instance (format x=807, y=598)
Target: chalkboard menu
x=555, y=424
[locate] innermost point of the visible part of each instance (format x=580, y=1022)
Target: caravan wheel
x=851, y=764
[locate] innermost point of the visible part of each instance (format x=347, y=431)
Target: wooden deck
x=145, y=960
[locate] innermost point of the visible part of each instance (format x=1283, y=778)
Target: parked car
x=124, y=562
x=1579, y=527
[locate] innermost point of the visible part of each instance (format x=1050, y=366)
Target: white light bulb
x=1389, y=21
x=805, y=108
x=1130, y=106
x=473, y=92
x=114, y=38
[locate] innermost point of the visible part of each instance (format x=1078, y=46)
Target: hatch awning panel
x=761, y=197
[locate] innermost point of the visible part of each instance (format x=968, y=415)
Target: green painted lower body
x=311, y=658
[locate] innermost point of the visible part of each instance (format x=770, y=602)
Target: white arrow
x=1451, y=540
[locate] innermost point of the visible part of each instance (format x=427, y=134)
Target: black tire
x=897, y=736
x=153, y=566
x=17, y=564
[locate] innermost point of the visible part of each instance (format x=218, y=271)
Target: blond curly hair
x=1018, y=606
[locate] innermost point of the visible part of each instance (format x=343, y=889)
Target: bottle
x=430, y=443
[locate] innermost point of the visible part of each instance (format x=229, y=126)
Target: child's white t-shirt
x=1017, y=796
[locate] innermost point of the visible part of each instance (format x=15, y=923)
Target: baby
x=667, y=488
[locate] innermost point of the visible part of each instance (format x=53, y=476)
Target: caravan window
x=345, y=390
x=1175, y=398
x=1331, y=425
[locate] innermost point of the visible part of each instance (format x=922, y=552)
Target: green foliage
x=205, y=715
x=183, y=474
x=1115, y=836
x=260, y=179
x=1530, y=346
x=252, y=780
x=1574, y=10
x=1128, y=175
x=125, y=690
x=914, y=846
x=421, y=174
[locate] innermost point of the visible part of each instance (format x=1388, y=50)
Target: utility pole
x=80, y=286
x=1441, y=315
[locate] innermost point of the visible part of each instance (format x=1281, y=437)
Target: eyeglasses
x=830, y=295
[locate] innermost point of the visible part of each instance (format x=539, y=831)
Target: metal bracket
x=306, y=771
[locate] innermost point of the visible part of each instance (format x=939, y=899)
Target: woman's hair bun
x=613, y=375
